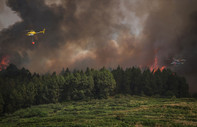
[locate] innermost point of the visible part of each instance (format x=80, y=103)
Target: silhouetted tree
x=119, y=78
x=104, y=83
x=1, y=104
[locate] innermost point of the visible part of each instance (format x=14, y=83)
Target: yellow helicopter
x=31, y=33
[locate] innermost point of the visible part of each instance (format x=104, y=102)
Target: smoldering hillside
x=92, y=33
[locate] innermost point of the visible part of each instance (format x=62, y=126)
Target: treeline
x=162, y=84
x=19, y=88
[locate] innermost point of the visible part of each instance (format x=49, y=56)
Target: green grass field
x=116, y=112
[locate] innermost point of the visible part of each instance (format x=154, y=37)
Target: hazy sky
x=7, y=16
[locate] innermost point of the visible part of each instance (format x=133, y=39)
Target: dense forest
x=19, y=88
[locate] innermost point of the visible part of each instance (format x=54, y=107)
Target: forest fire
x=4, y=62
x=155, y=66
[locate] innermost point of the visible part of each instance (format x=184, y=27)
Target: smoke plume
x=96, y=33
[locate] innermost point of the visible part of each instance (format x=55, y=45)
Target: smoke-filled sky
x=96, y=33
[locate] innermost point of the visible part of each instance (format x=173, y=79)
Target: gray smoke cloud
x=96, y=33
x=171, y=29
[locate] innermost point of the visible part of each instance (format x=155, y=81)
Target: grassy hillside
x=117, y=111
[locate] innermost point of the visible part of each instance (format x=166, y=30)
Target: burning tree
x=4, y=62
x=155, y=66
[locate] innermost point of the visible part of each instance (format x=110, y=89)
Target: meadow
x=117, y=111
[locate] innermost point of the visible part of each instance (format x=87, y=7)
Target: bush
x=30, y=112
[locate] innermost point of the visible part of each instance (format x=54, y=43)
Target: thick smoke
x=96, y=33
x=171, y=29
x=1, y=9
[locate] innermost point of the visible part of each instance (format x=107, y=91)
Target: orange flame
x=162, y=68
x=155, y=66
x=4, y=62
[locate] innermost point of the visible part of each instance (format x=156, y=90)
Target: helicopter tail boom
x=42, y=31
